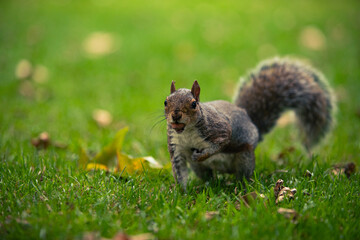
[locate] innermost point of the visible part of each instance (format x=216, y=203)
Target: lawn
x=61, y=60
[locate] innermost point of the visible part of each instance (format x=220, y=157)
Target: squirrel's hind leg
x=203, y=172
x=244, y=164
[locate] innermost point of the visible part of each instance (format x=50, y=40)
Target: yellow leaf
x=96, y=166
x=131, y=165
x=109, y=151
x=125, y=163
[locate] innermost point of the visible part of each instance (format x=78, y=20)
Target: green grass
x=44, y=194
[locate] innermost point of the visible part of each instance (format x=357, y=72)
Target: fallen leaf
x=345, y=168
x=211, y=214
x=102, y=117
x=42, y=141
x=23, y=69
x=278, y=186
x=126, y=164
x=96, y=166
x=282, y=192
x=350, y=168
x=110, y=151
x=288, y=213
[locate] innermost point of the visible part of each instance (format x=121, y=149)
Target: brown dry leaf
x=278, y=186
x=23, y=69
x=285, y=192
x=42, y=141
x=282, y=192
x=102, y=117
x=99, y=44
x=345, y=168
x=312, y=38
x=288, y=213
x=211, y=214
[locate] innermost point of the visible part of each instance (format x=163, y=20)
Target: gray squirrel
x=221, y=136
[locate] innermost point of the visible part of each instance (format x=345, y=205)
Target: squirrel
x=222, y=136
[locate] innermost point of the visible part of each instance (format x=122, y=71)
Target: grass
x=44, y=194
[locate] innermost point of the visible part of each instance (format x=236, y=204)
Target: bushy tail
x=277, y=85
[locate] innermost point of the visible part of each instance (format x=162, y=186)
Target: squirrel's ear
x=195, y=90
x=172, y=89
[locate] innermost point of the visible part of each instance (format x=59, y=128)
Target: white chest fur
x=190, y=139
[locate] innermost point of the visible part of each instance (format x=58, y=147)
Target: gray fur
x=281, y=84
x=221, y=137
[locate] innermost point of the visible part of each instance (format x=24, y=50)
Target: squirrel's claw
x=199, y=155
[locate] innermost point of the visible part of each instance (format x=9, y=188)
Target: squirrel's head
x=182, y=106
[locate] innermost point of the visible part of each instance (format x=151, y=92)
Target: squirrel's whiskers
x=219, y=136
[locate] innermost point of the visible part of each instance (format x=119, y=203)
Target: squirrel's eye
x=165, y=103
x=193, y=104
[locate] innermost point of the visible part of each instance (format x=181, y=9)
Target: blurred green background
x=60, y=61
x=121, y=56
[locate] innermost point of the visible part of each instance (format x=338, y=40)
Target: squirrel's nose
x=176, y=116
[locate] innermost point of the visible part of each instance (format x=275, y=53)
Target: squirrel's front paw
x=198, y=155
